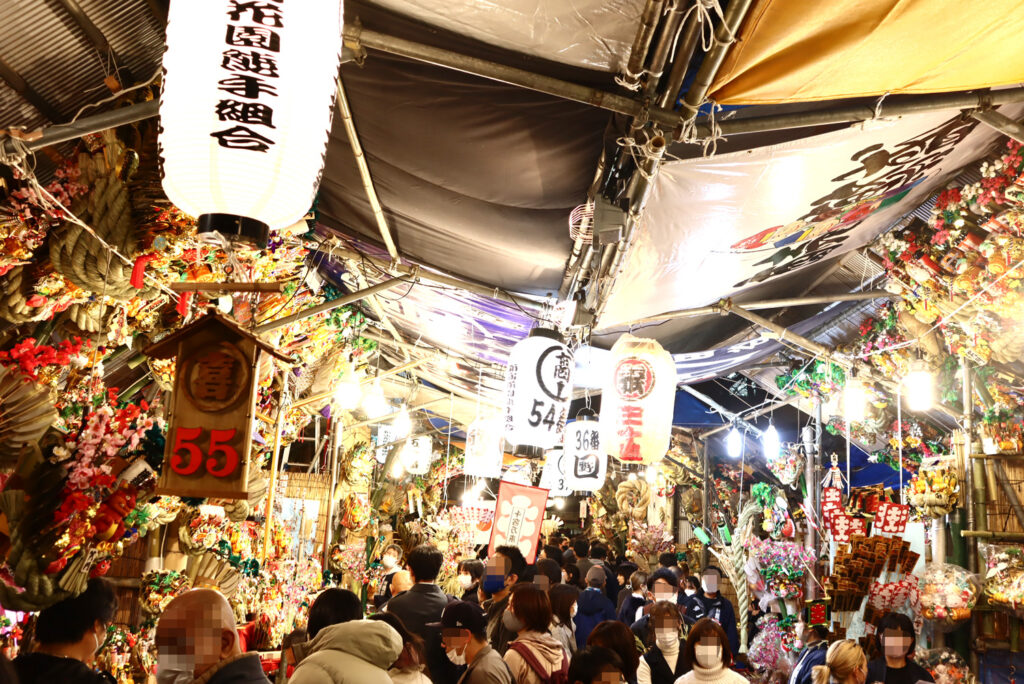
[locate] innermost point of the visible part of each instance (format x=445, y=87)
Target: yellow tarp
x=805, y=50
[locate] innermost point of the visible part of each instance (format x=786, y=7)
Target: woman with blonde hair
x=845, y=663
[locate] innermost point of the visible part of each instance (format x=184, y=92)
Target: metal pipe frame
x=670, y=29
x=364, y=172
x=98, y=41
x=750, y=416
x=412, y=409
x=197, y=286
x=1001, y=123
x=764, y=304
x=726, y=31
x=642, y=42
x=19, y=85
x=52, y=135
x=333, y=304
x=733, y=417
x=686, y=45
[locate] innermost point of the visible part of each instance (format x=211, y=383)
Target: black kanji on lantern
x=260, y=12
x=242, y=138
x=245, y=112
x=253, y=62
x=253, y=36
x=249, y=87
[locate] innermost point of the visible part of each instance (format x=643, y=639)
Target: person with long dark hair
x=534, y=656
x=897, y=641
x=618, y=637
x=563, y=607
x=708, y=655
x=408, y=669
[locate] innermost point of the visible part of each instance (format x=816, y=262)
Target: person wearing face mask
x=845, y=663
x=593, y=606
x=709, y=603
x=662, y=585
x=408, y=669
x=197, y=643
x=897, y=641
x=502, y=572
x=68, y=636
x=534, y=657
x=470, y=573
x=708, y=656
x=463, y=628
x=390, y=559
x=662, y=664
x=811, y=656
x=691, y=586
x=563, y=599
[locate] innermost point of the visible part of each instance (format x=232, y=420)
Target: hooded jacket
x=592, y=607
x=545, y=648
x=357, y=652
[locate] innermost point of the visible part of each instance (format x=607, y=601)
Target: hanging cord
x=688, y=130
x=17, y=162
x=639, y=152
x=706, y=21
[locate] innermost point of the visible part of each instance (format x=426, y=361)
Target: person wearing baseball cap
x=464, y=635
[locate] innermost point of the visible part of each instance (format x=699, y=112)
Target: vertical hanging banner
x=637, y=401
x=245, y=110
x=518, y=514
x=831, y=504
x=586, y=462
x=538, y=388
x=484, y=448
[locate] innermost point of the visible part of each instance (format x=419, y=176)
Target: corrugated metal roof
x=51, y=52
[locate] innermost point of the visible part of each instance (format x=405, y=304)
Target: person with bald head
x=401, y=582
x=197, y=643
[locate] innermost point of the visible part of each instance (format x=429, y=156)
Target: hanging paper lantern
x=553, y=478
x=245, y=111
x=538, y=387
x=416, y=455
x=586, y=462
x=638, y=400
x=484, y=442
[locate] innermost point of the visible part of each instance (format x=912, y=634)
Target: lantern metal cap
x=530, y=452
x=235, y=227
x=546, y=332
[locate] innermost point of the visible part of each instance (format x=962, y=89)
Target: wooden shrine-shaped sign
x=212, y=407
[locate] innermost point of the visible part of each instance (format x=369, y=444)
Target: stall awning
x=796, y=51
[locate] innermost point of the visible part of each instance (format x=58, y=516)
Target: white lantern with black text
x=538, y=387
x=638, y=401
x=245, y=110
x=554, y=477
x=484, y=442
x=416, y=455
x=586, y=462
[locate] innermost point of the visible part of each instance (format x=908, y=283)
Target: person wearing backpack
x=534, y=657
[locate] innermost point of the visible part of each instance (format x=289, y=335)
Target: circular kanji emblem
x=217, y=379
x=634, y=378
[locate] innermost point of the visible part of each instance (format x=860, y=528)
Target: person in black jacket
x=68, y=636
x=897, y=640
x=470, y=572
x=663, y=663
x=710, y=603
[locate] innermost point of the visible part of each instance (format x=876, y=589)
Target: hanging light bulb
x=855, y=400
x=919, y=386
x=375, y=404
x=559, y=503
x=770, y=443
x=631, y=477
x=734, y=443
x=402, y=424
x=651, y=475
x=397, y=469
x=348, y=393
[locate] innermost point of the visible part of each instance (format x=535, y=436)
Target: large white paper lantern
x=538, y=388
x=638, y=401
x=586, y=464
x=245, y=111
x=417, y=454
x=554, y=478
x=484, y=442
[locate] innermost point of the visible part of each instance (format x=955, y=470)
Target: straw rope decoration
x=733, y=560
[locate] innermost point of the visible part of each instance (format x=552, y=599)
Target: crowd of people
x=570, y=617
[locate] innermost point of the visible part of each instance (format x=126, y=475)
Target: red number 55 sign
x=212, y=407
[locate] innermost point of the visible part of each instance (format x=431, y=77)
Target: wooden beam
x=28, y=93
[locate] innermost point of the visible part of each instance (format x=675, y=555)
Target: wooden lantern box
x=213, y=405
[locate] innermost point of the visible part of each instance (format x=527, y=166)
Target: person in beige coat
x=534, y=656
x=356, y=652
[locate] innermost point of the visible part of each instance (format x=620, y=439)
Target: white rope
x=705, y=19
x=688, y=129
x=637, y=149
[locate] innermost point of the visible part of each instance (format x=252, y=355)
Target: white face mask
x=690, y=592
x=456, y=657
x=710, y=584
x=465, y=581
x=708, y=656
x=388, y=562
x=667, y=639
x=174, y=669
x=671, y=598
x=565, y=578
x=174, y=677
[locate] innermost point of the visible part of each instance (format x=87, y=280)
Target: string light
x=919, y=386
x=402, y=425
x=770, y=443
x=733, y=443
